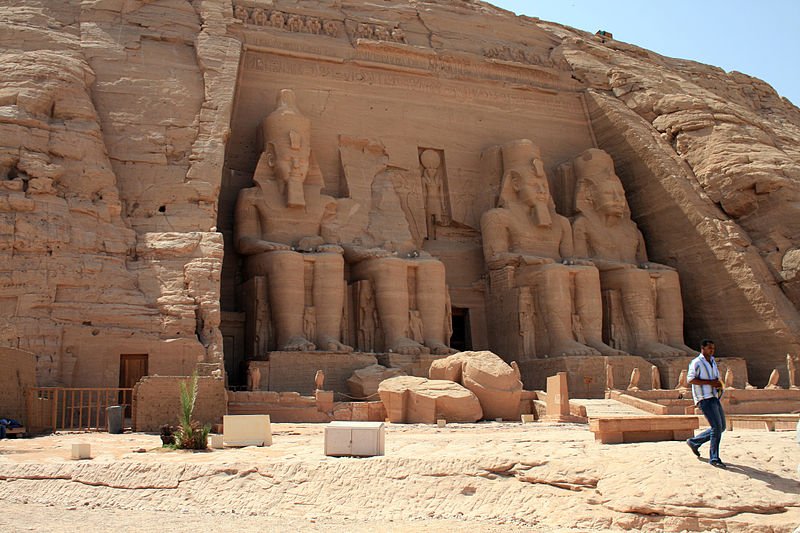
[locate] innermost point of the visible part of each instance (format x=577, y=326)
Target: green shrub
x=190, y=435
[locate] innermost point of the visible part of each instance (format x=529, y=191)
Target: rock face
x=496, y=384
x=365, y=381
x=413, y=400
x=124, y=151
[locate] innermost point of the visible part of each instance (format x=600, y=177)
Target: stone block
x=81, y=450
x=247, y=430
x=410, y=399
x=363, y=439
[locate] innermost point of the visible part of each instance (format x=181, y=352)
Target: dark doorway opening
x=461, y=339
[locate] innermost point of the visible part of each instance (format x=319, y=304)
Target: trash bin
x=114, y=418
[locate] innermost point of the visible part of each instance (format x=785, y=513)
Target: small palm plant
x=190, y=435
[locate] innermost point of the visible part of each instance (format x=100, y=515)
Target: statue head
x=287, y=135
x=430, y=162
x=599, y=189
x=524, y=179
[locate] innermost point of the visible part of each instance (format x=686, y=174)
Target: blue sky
x=759, y=38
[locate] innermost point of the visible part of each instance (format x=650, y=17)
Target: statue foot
x=439, y=348
x=682, y=347
x=656, y=349
x=406, y=346
x=570, y=347
x=329, y=344
x=604, y=348
x=298, y=344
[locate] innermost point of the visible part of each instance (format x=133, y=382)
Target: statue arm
x=327, y=230
x=496, y=245
x=247, y=230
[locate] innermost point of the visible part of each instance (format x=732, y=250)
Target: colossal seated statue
x=283, y=229
x=525, y=232
x=410, y=293
x=605, y=233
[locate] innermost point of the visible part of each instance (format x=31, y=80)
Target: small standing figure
x=253, y=378
x=313, y=25
x=634, y=383
x=319, y=380
x=276, y=19
x=435, y=207
x=791, y=366
x=240, y=13
x=260, y=17
x=655, y=378
x=772, y=382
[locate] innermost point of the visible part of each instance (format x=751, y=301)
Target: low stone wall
x=294, y=407
x=156, y=401
x=295, y=371
x=17, y=373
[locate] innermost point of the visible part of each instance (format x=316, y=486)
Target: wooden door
x=132, y=367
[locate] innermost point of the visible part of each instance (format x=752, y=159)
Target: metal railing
x=74, y=409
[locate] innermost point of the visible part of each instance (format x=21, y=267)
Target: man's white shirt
x=700, y=368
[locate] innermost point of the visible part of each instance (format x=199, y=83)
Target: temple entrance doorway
x=461, y=339
x=132, y=368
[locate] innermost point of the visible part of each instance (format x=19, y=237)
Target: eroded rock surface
x=414, y=400
x=496, y=384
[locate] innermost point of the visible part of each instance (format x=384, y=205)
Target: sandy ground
x=487, y=477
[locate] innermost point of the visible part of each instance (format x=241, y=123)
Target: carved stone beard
x=540, y=213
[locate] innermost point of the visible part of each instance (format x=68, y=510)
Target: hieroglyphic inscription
x=267, y=63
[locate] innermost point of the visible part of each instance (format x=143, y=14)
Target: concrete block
x=527, y=419
x=216, y=441
x=246, y=430
x=363, y=439
x=82, y=450
x=441, y=422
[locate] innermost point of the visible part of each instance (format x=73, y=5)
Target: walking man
x=704, y=378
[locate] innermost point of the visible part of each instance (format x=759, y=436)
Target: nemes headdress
x=591, y=167
x=521, y=154
x=286, y=125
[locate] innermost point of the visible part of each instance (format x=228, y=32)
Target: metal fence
x=74, y=409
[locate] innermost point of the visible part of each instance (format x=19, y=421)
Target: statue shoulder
x=498, y=215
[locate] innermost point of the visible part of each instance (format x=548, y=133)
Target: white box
x=82, y=450
x=246, y=430
x=363, y=439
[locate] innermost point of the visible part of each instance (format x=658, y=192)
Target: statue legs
x=553, y=285
x=432, y=304
x=389, y=278
x=285, y=273
x=639, y=309
x=589, y=308
x=328, y=297
x=669, y=304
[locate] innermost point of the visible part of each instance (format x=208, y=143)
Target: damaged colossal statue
x=406, y=285
x=528, y=250
x=649, y=294
x=283, y=230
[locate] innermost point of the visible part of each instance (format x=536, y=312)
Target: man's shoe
x=695, y=449
x=719, y=464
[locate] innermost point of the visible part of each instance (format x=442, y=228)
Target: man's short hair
x=706, y=342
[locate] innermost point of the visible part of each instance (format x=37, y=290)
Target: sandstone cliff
x=121, y=154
